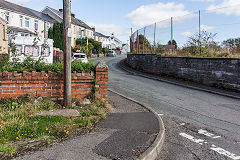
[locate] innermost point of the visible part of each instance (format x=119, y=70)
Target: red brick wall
x=13, y=84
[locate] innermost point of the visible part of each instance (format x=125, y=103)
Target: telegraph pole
x=67, y=53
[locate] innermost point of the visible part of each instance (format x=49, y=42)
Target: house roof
x=26, y=11
x=74, y=20
x=17, y=29
x=100, y=34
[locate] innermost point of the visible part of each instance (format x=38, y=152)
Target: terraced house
x=25, y=21
x=78, y=27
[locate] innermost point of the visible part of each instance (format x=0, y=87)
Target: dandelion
x=46, y=129
x=49, y=132
x=17, y=138
x=31, y=115
x=65, y=131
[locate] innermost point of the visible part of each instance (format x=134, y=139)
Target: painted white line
x=182, y=124
x=224, y=152
x=208, y=134
x=191, y=138
x=160, y=114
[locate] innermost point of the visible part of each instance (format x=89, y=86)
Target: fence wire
x=179, y=34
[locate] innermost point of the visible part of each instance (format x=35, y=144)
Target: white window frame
x=21, y=21
x=36, y=24
x=7, y=17
x=27, y=22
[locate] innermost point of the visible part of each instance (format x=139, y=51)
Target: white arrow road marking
x=191, y=138
x=208, y=134
x=224, y=152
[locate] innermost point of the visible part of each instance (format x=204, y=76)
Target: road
x=199, y=125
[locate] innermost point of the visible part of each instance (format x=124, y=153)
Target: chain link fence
x=208, y=33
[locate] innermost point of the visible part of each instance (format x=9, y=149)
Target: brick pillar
x=101, y=85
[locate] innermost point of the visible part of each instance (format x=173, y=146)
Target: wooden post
x=67, y=53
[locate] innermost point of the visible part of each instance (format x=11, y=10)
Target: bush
x=30, y=65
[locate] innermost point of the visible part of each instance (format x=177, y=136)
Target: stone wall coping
x=212, y=58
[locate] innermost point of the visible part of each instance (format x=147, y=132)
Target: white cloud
x=186, y=34
x=227, y=7
x=149, y=14
x=203, y=0
x=107, y=29
x=206, y=28
x=18, y=0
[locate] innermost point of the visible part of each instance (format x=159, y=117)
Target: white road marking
x=208, y=134
x=160, y=114
x=224, y=152
x=191, y=138
x=182, y=124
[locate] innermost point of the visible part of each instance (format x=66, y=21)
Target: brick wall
x=50, y=84
x=218, y=72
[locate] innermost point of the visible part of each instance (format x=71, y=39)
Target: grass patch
x=19, y=126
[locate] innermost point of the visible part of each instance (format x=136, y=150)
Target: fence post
x=144, y=40
x=137, y=42
x=199, y=40
x=155, y=25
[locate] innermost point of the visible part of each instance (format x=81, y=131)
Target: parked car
x=80, y=57
x=111, y=54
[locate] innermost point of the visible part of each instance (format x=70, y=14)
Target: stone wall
x=50, y=84
x=217, y=72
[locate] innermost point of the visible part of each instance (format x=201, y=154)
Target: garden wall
x=218, y=72
x=13, y=84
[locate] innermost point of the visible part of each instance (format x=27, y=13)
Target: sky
x=119, y=16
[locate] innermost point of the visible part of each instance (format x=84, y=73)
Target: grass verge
x=19, y=128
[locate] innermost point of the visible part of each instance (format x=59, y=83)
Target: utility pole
x=67, y=53
x=155, y=26
x=199, y=23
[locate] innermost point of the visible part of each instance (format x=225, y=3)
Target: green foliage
x=173, y=43
x=93, y=46
x=56, y=33
x=30, y=65
x=50, y=33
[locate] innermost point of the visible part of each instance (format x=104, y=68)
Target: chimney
x=94, y=29
x=73, y=15
x=61, y=10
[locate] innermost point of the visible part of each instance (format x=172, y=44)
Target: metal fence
x=174, y=35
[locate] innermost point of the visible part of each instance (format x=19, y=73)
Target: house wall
x=14, y=21
x=3, y=37
x=218, y=72
x=13, y=84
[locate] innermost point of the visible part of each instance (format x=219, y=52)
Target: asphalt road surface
x=199, y=125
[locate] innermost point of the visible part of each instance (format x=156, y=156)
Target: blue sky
x=119, y=16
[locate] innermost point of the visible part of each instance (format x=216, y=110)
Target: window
x=31, y=51
x=22, y=34
x=27, y=22
x=18, y=49
x=45, y=51
x=36, y=24
x=7, y=17
x=21, y=21
x=48, y=26
x=4, y=33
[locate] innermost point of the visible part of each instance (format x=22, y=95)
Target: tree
x=201, y=45
x=50, y=33
x=232, y=44
x=173, y=43
x=56, y=33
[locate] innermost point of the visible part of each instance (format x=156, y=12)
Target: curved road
x=199, y=125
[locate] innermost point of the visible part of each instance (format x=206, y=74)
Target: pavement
x=132, y=131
